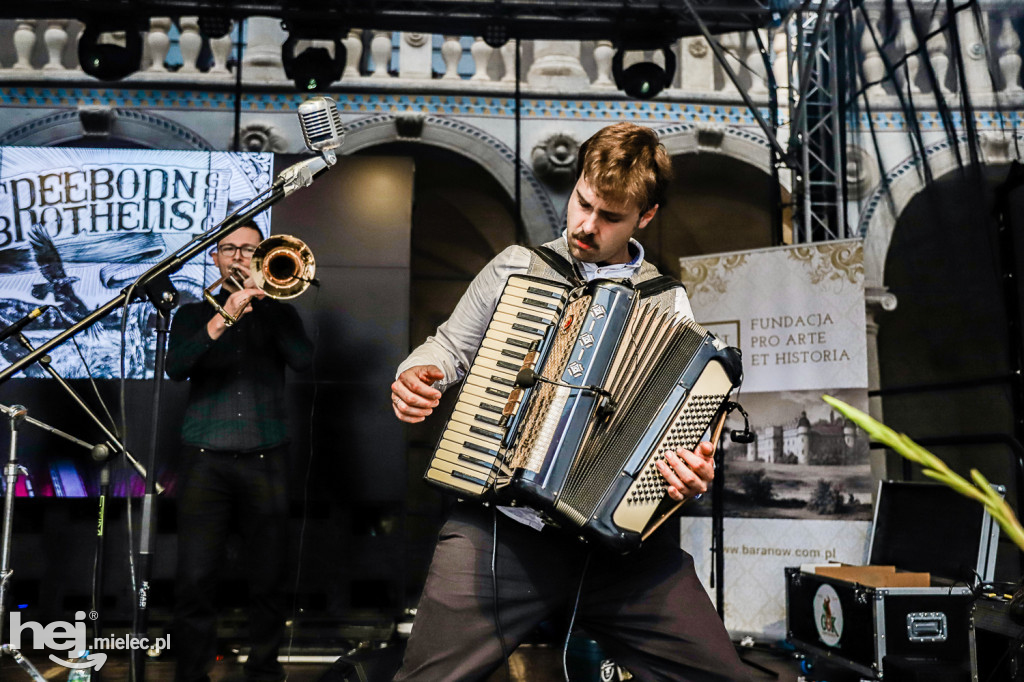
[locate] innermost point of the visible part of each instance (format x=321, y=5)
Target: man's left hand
x=687, y=473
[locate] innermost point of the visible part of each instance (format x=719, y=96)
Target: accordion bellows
x=621, y=382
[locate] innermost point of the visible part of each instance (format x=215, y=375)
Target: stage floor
x=528, y=664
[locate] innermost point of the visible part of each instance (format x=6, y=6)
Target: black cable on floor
x=494, y=593
x=572, y=618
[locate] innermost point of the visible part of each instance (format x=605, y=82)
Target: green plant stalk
x=933, y=467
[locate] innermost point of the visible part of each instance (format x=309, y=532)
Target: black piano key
x=528, y=330
x=513, y=341
x=479, y=448
x=532, y=318
x=543, y=292
x=500, y=394
x=478, y=462
x=489, y=420
x=467, y=477
x=514, y=355
x=485, y=433
x=509, y=366
x=503, y=381
x=490, y=408
x=541, y=304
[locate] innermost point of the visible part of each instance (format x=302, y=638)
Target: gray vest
x=666, y=300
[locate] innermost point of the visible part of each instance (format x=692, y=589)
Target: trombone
x=282, y=266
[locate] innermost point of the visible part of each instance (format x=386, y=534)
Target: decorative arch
x=101, y=123
x=738, y=143
x=883, y=209
x=540, y=219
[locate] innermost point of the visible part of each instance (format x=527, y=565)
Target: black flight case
x=906, y=617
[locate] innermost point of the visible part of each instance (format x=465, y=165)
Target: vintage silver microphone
x=321, y=127
x=323, y=132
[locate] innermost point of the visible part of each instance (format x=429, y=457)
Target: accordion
x=573, y=396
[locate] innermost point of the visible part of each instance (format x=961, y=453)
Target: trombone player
x=233, y=350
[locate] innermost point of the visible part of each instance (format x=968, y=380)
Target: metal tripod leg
x=16, y=413
x=23, y=662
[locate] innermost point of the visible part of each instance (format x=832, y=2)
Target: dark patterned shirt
x=236, y=395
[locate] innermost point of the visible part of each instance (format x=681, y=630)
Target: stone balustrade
x=45, y=50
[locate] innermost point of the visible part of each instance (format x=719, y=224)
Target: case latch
x=926, y=627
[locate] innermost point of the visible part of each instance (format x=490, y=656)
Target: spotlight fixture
x=313, y=68
x=213, y=26
x=644, y=80
x=496, y=34
x=110, y=60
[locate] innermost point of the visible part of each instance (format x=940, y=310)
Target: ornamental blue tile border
x=371, y=103
x=461, y=105
x=932, y=120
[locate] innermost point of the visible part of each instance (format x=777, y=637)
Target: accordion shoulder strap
x=558, y=263
x=657, y=285
x=561, y=265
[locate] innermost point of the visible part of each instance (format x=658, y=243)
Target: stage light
x=313, y=68
x=215, y=26
x=496, y=35
x=644, y=80
x=111, y=59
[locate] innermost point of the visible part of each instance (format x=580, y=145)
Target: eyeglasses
x=229, y=250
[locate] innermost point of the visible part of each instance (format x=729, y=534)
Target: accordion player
x=574, y=394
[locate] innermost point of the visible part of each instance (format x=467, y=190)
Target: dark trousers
x=647, y=610
x=222, y=492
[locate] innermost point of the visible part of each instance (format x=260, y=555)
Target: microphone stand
x=99, y=453
x=156, y=285
x=16, y=414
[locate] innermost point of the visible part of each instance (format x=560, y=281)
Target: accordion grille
x=541, y=418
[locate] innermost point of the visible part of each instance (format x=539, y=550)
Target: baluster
x=55, y=37
x=909, y=39
x=190, y=43
x=221, y=49
x=353, y=43
x=24, y=41
x=756, y=66
x=262, y=57
x=1009, y=58
x=780, y=60
x=159, y=43
x=874, y=67
x=380, y=50
x=974, y=53
x=697, y=65
x=938, y=48
x=603, y=53
x=556, y=64
x=508, y=61
x=415, y=55
x=451, y=52
x=481, y=53
x=730, y=43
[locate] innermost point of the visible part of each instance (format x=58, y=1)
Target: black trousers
x=648, y=610
x=222, y=492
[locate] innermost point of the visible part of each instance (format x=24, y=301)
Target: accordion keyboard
x=469, y=455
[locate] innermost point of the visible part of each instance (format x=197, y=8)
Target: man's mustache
x=584, y=238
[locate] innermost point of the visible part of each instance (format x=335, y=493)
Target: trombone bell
x=282, y=266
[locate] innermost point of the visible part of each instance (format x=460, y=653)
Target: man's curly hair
x=626, y=162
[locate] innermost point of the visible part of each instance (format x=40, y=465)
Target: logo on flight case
x=828, y=615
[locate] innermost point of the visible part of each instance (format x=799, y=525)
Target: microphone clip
x=743, y=436
x=527, y=378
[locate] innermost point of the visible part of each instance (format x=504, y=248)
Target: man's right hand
x=238, y=304
x=412, y=396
